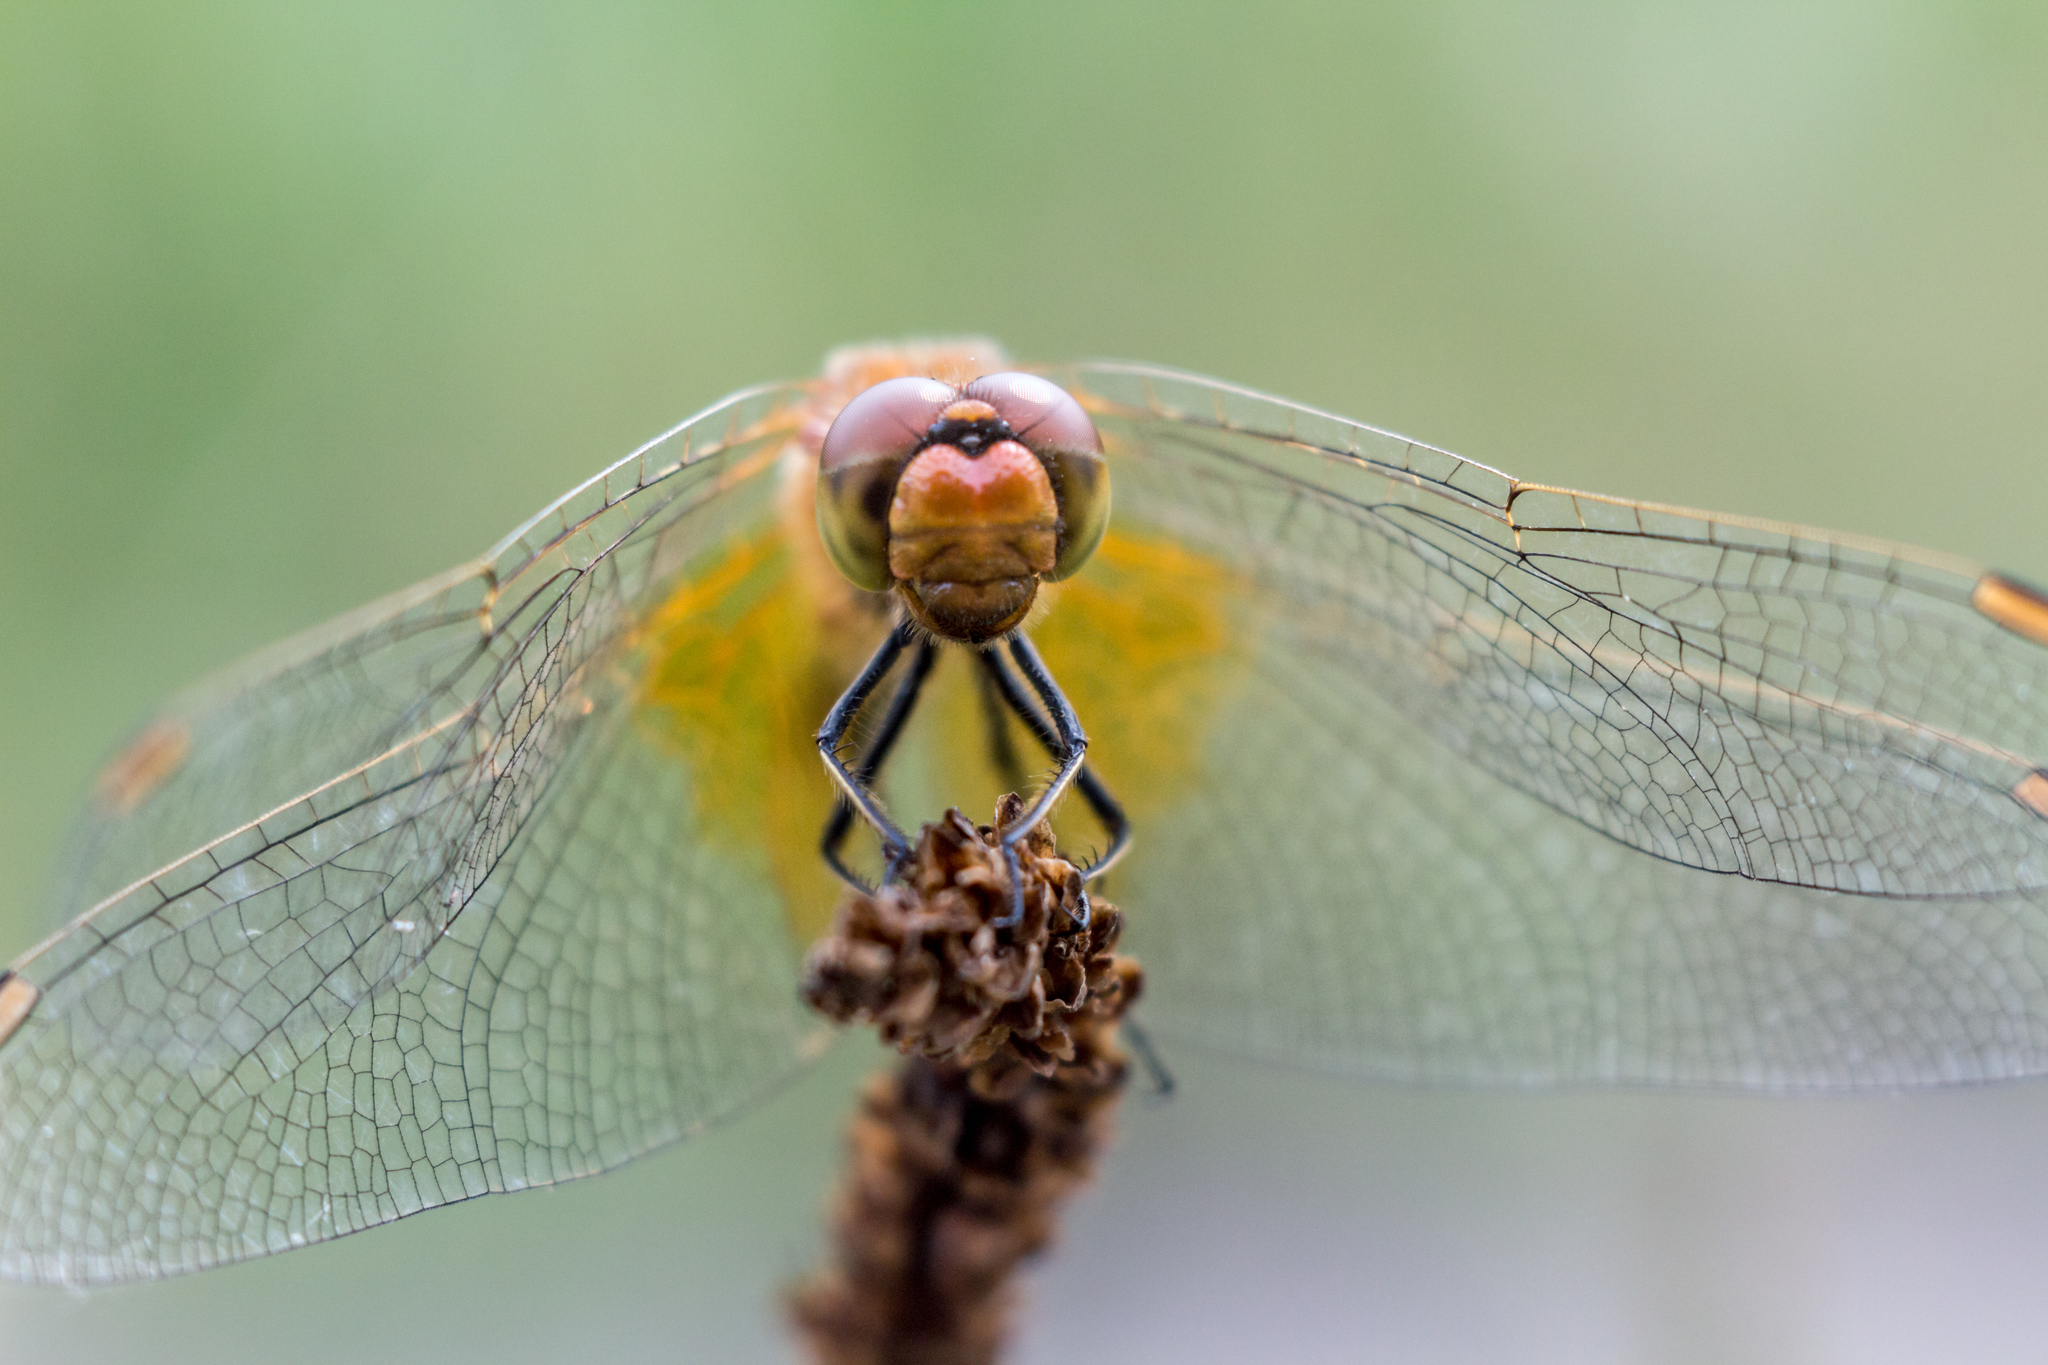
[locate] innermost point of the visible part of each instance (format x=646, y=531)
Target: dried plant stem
x=958, y=1160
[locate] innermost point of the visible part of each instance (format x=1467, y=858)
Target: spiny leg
x=900, y=707
x=1072, y=745
x=1063, y=738
x=857, y=788
x=1092, y=788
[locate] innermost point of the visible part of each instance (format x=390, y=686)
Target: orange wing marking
x=2019, y=608
x=2031, y=791
x=146, y=764
x=17, y=998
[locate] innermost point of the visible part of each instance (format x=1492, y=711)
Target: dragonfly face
x=962, y=500
x=1434, y=774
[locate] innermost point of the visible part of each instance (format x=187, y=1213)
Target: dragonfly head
x=962, y=500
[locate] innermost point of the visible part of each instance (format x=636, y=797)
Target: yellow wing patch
x=745, y=658
x=739, y=677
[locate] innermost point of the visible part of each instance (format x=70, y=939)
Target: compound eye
x=1047, y=419
x=872, y=439
x=1041, y=413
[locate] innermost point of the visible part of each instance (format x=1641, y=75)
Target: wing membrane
x=1488, y=737
x=238, y=1050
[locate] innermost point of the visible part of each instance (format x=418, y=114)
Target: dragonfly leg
x=856, y=785
x=1148, y=1057
x=1092, y=788
x=1065, y=741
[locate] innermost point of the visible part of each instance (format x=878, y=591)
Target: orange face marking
x=945, y=489
x=2014, y=605
x=969, y=537
x=17, y=998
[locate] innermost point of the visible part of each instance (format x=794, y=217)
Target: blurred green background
x=300, y=304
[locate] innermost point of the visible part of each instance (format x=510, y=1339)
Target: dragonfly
x=1420, y=772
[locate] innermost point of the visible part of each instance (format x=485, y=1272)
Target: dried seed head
x=923, y=960
x=956, y=1163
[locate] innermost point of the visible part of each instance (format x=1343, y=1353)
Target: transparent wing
x=1499, y=782
x=407, y=911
